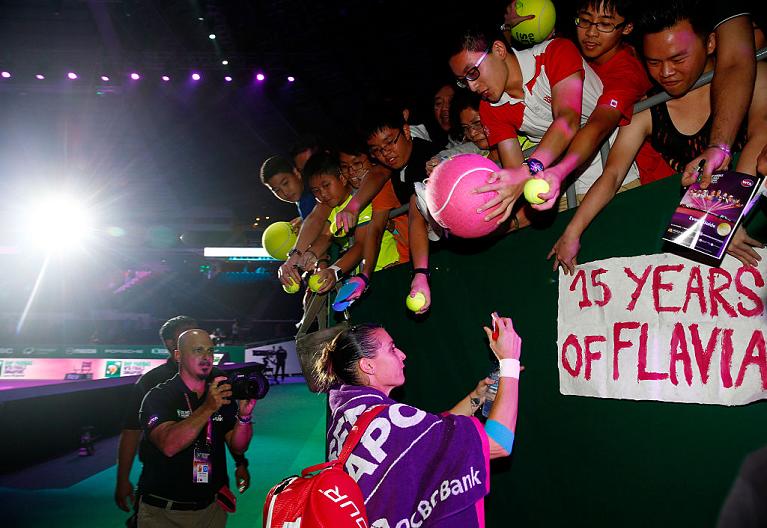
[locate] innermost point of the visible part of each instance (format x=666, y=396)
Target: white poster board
x=661, y=327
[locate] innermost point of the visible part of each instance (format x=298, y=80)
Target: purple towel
x=415, y=469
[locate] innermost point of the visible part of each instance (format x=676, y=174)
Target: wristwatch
x=337, y=272
x=534, y=165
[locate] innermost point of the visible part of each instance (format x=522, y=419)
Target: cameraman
x=186, y=423
x=130, y=436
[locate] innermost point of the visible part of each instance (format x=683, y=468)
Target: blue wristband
x=503, y=436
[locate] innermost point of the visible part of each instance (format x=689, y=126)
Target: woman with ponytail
x=415, y=468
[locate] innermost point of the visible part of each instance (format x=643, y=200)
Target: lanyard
x=208, y=429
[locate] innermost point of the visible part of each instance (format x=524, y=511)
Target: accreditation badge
x=201, y=464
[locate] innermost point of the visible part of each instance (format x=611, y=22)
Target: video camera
x=247, y=380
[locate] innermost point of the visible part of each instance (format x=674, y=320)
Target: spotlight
x=225, y=62
x=39, y=76
x=72, y=76
x=228, y=79
x=135, y=76
x=212, y=36
x=195, y=76
x=291, y=78
x=165, y=78
x=59, y=222
x=5, y=75
x=200, y=19
x=105, y=78
x=260, y=77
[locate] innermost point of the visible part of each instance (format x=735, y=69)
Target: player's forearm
x=126, y=452
x=505, y=409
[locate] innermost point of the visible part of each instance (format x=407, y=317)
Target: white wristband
x=510, y=368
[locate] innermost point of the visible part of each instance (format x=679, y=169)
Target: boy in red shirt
x=601, y=26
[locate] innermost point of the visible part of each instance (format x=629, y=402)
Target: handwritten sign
x=660, y=327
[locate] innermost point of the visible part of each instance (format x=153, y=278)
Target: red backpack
x=324, y=496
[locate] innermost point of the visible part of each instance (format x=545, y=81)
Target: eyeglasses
x=473, y=128
x=353, y=167
x=473, y=73
x=602, y=27
x=386, y=147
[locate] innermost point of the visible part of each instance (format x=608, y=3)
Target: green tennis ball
x=293, y=288
x=535, y=30
x=278, y=239
x=535, y=187
x=415, y=303
x=315, y=283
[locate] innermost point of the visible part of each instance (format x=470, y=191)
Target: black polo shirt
x=146, y=382
x=172, y=477
x=403, y=180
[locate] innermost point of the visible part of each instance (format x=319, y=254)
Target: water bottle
x=492, y=390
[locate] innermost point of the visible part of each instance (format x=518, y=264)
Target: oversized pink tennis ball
x=450, y=197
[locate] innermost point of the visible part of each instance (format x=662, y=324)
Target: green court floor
x=288, y=435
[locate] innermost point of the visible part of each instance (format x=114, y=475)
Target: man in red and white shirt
x=546, y=92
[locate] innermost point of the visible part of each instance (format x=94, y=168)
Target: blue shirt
x=305, y=204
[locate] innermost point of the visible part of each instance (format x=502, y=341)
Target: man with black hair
x=130, y=436
x=547, y=92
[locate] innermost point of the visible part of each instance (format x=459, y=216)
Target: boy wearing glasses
x=331, y=187
x=601, y=27
x=546, y=92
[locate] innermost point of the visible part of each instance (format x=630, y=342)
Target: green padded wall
x=577, y=461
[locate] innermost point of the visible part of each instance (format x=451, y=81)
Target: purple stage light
x=291, y=78
x=195, y=76
x=105, y=78
x=72, y=76
x=165, y=78
x=39, y=76
x=135, y=76
x=5, y=74
x=260, y=77
x=228, y=79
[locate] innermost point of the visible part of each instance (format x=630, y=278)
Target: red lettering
x=748, y=292
x=644, y=374
x=679, y=353
x=658, y=285
x=725, y=365
x=572, y=340
x=697, y=290
x=619, y=344
x=640, y=282
x=589, y=355
x=759, y=359
x=606, y=293
x=703, y=356
x=580, y=275
x=715, y=292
